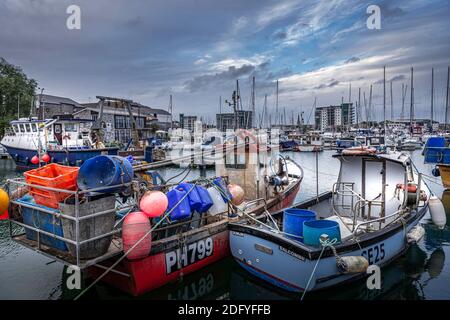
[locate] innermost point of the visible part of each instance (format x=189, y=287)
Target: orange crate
x=54, y=176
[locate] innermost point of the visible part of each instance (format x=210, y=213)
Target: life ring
x=358, y=151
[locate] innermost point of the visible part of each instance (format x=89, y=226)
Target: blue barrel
x=222, y=185
x=103, y=171
x=312, y=230
x=293, y=222
x=205, y=198
x=194, y=198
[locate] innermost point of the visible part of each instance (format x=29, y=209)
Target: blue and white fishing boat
x=67, y=142
x=370, y=217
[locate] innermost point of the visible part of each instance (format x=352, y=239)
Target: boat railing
x=58, y=216
x=356, y=205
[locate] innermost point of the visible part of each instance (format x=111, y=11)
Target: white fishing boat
x=370, y=217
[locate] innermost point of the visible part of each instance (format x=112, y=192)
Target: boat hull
x=156, y=270
x=22, y=157
x=261, y=256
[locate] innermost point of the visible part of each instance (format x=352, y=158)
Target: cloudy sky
x=196, y=49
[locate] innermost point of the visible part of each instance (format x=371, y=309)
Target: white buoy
x=415, y=234
x=437, y=212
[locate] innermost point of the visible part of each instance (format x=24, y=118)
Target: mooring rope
x=325, y=244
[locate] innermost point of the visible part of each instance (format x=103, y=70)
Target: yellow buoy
x=4, y=201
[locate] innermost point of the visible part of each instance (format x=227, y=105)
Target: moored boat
x=369, y=217
x=67, y=141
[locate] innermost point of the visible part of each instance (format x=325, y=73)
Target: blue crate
x=43, y=221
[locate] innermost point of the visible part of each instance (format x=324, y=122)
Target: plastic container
x=293, y=222
x=183, y=210
x=219, y=205
x=104, y=171
x=43, y=221
x=205, y=198
x=194, y=198
x=225, y=193
x=52, y=175
x=313, y=229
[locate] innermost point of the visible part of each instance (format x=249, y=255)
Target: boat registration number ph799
x=189, y=254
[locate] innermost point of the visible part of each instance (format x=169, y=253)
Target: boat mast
x=432, y=98
x=392, y=104
x=358, y=114
x=446, y=97
x=253, y=99
x=411, y=108
x=370, y=103
x=384, y=98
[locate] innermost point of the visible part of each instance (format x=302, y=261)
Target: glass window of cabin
x=119, y=122
x=22, y=127
x=15, y=128
x=28, y=127
x=34, y=127
x=70, y=127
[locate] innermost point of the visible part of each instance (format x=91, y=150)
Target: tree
x=15, y=87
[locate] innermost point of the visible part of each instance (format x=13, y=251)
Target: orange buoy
x=135, y=227
x=154, y=203
x=35, y=160
x=237, y=194
x=4, y=201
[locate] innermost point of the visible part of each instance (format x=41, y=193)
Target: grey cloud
x=352, y=59
x=330, y=84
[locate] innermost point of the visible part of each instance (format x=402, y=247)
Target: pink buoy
x=154, y=203
x=135, y=226
x=46, y=158
x=237, y=194
x=35, y=160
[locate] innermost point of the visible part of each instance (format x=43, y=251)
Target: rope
x=134, y=246
x=325, y=244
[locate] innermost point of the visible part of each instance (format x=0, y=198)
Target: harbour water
x=422, y=273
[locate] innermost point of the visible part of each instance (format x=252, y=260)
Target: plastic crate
x=43, y=221
x=54, y=176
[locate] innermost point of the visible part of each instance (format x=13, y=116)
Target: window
x=119, y=122
x=34, y=127
x=94, y=117
x=22, y=128
x=15, y=128
x=28, y=127
x=70, y=127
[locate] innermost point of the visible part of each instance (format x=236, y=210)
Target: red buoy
x=154, y=203
x=46, y=158
x=135, y=226
x=35, y=160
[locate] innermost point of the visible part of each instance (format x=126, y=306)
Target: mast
x=384, y=98
x=349, y=109
x=446, y=98
x=432, y=98
x=411, y=107
x=171, y=111
x=358, y=115
x=253, y=99
x=370, y=103
x=365, y=110
x=404, y=89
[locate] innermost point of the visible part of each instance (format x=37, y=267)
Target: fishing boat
x=67, y=141
x=311, y=142
x=370, y=217
x=90, y=230
x=410, y=144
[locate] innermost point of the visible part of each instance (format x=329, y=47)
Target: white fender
x=437, y=212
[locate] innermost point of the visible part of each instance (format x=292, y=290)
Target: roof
x=136, y=107
x=46, y=98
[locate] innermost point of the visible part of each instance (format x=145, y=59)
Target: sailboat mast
x=432, y=98
x=446, y=97
x=276, y=106
x=358, y=114
x=392, y=104
x=253, y=99
x=384, y=98
x=411, y=107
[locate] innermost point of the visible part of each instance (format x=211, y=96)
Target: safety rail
x=59, y=217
